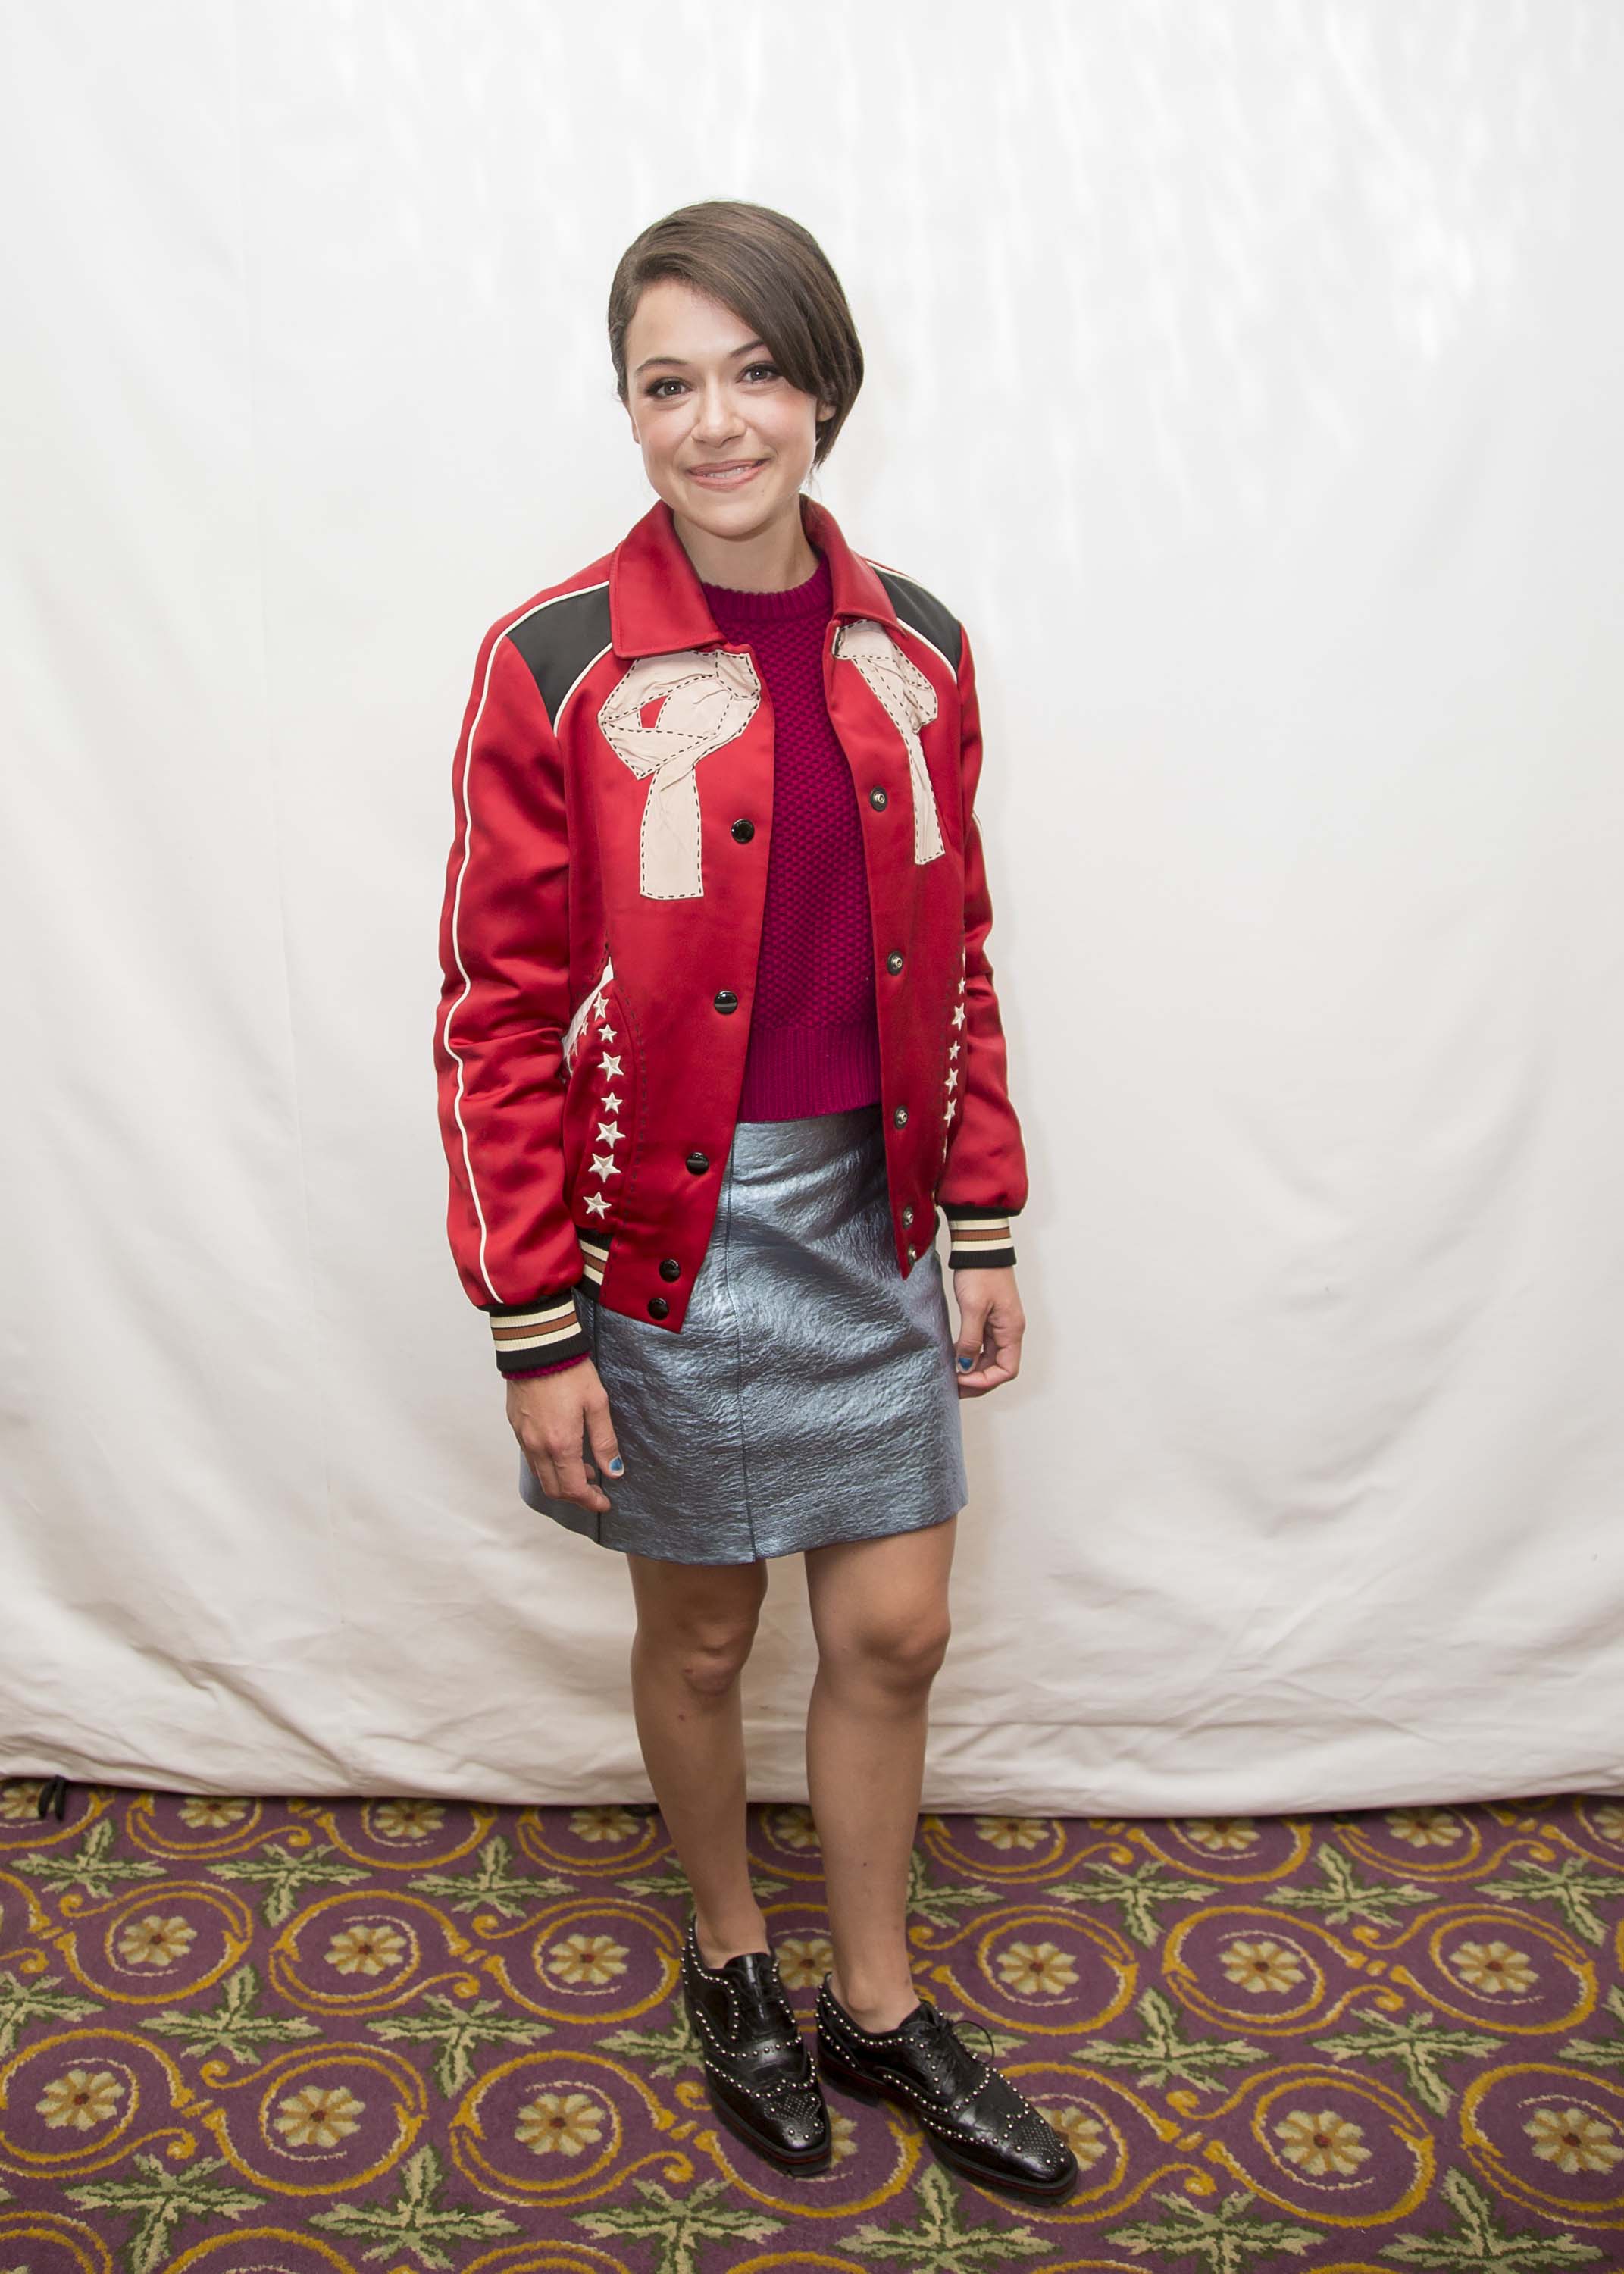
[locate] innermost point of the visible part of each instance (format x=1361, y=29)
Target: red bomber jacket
x=612, y=792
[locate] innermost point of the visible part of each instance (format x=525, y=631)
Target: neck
x=770, y=559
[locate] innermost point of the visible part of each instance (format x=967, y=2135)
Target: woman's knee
x=703, y=1629
x=903, y=1652
x=710, y=1655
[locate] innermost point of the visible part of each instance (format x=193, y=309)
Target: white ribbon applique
x=710, y=697
x=585, y=1010
x=910, y=702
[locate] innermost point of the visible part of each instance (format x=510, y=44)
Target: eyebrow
x=681, y=360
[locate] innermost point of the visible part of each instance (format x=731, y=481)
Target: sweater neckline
x=813, y=597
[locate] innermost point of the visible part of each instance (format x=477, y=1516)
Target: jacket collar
x=657, y=603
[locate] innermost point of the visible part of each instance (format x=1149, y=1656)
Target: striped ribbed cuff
x=526, y=1334
x=532, y=1335
x=978, y=1237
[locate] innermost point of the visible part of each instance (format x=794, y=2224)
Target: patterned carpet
x=311, y=2038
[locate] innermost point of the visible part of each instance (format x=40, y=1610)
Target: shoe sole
x=835, y=2070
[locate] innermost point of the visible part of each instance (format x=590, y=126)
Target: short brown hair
x=773, y=274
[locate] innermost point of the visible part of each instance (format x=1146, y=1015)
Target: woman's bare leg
x=695, y=1624
x=880, y=1613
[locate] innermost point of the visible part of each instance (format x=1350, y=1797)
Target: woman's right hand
x=549, y=1412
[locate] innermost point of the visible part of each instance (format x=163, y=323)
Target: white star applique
x=611, y=1065
x=959, y=1016
x=952, y=1077
x=953, y=1051
x=961, y=986
x=611, y=1104
x=598, y=1204
x=610, y=1131
x=603, y=1166
x=607, y=1031
x=948, y=1113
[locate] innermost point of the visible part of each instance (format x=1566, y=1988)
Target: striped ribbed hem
x=977, y=1237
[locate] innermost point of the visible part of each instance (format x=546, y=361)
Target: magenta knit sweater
x=814, y=1044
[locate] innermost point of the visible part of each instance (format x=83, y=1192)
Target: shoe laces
x=941, y=2032
x=767, y=2006
x=1027, y=2124
x=758, y=1997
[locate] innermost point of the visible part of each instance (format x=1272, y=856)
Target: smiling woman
x=738, y=361
x=726, y=437
x=730, y=768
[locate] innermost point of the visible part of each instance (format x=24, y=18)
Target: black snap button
x=725, y=999
x=893, y=961
x=659, y=1306
x=699, y=1163
x=907, y=1214
x=744, y=831
x=900, y=1115
x=670, y=1269
x=876, y=799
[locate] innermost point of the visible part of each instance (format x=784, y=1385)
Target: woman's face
x=700, y=393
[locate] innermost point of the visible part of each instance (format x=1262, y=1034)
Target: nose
x=714, y=415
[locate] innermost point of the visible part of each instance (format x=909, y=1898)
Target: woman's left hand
x=991, y=1323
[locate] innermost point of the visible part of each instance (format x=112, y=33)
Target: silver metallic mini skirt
x=810, y=1395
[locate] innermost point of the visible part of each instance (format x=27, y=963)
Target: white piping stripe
x=608, y=649
x=456, y=911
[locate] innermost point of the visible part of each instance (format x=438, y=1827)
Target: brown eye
x=655, y=386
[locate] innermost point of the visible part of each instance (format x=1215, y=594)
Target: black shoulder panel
x=558, y=640
x=923, y=612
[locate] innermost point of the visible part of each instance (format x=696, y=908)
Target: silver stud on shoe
x=975, y=2119
x=760, y=2076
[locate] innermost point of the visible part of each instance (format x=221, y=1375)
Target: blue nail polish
x=963, y=1364
x=616, y=1466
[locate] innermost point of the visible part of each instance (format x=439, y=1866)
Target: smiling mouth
x=722, y=477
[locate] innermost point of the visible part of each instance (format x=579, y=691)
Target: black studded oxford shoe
x=973, y=2116
x=759, y=2071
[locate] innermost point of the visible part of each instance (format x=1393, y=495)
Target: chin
x=726, y=509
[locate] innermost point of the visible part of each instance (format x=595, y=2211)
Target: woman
x=730, y=768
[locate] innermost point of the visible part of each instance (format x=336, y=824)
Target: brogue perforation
x=761, y=2078
x=979, y=2120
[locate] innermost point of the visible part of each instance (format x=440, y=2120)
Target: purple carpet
x=241, y=2036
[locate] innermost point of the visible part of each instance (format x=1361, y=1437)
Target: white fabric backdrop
x=1247, y=377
